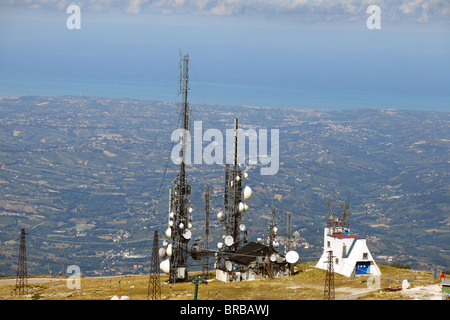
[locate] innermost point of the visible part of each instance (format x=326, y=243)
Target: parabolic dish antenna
x=273, y=257
x=229, y=240
x=228, y=265
x=292, y=257
x=242, y=227
x=187, y=234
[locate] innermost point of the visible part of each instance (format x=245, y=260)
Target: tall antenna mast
x=180, y=219
x=288, y=231
x=235, y=198
x=273, y=228
x=328, y=292
x=233, y=195
x=22, y=275
x=205, y=268
x=154, y=281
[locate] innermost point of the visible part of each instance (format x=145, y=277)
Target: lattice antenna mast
x=154, y=281
x=287, y=231
x=180, y=222
x=233, y=197
x=328, y=292
x=205, y=267
x=22, y=274
x=273, y=228
x=345, y=213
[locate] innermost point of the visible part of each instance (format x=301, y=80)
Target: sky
x=277, y=53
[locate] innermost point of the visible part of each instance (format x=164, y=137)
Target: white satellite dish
x=292, y=257
x=229, y=240
x=228, y=265
x=247, y=193
x=221, y=216
x=273, y=257
x=171, y=215
x=171, y=223
x=165, y=266
x=169, y=250
x=162, y=253
x=169, y=233
x=241, y=207
x=187, y=234
x=242, y=227
x=219, y=245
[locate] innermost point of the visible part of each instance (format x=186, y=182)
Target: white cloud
x=305, y=10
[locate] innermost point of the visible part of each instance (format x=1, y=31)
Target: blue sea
x=221, y=94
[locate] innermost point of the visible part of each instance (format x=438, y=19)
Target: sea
x=221, y=94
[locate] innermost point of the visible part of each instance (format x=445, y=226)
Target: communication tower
x=21, y=279
x=180, y=211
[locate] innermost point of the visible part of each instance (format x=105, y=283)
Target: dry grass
x=308, y=284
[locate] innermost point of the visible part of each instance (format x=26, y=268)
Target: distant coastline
x=222, y=94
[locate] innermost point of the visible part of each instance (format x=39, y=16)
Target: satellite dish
x=171, y=214
x=187, y=234
x=181, y=225
x=247, y=193
x=245, y=207
x=165, y=243
x=169, y=233
x=171, y=223
x=292, y=257
x=221, y=216
x=242, y=227
x=165, y=266
x=162, y=253
x=245, y=175
x=190, y=210
x=228, y=265
x=273, y=257
x=169, y=250
x=229, y=240
x=241, y=207
x=220, y=245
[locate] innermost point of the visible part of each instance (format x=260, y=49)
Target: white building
x=351, y=256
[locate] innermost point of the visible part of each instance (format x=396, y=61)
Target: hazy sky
x=299, y=45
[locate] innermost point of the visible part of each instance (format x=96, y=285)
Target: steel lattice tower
x=21, y=280
x=205, y=267
x=288, y=232
x=328, y=292
x=154, y=281
x=180, y=192
x=233, y=197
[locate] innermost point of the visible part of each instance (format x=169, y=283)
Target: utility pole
x=154, y=281
x=328, y=292
x=21, y=279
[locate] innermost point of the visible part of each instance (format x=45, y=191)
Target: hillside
x=307, y=284
x=88, y=178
